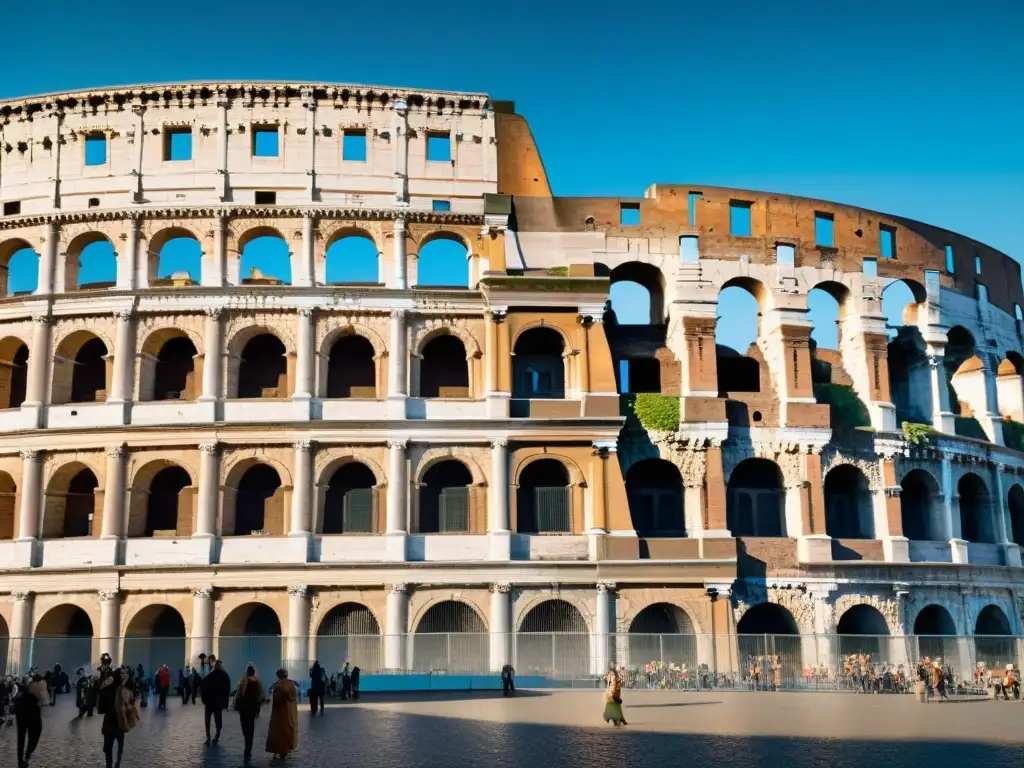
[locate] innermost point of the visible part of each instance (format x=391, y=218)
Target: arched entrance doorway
x=63, y=636
x=450, y=637
x=156, y=636
x=993, y=643
x=862, y=630
x=349, y=633
x=768, y=639
x=755, y=498
x=252, y=633
x=935, y=631
x=553, y=641
x=661, y=635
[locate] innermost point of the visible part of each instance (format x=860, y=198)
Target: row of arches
x=174, y=255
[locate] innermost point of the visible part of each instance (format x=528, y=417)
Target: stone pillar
x=398, y=502
x=814, y=545
x=110, y=624
x=139, y=111
x=48, y=259
x=496, y=353
x=38, y=363
x=714, y=501
x=401, y=256
x=309, y=102
x=128, y=263
x=297, y=643
x=598, y=522
x=889, y=514
x=943, y=419
x=302, y=503
x=498, y=529
x=123, y=379
x=213, y=357
x=305, y=357
x=501, y=623
x=699, y=368
x=20, y=652
x=213, y=267
x=876, y=357
x=957, y=544
x=31, y=495
x=209, y=491
x=401, y=133
x=395, y=626
x=990, y=419
x=583, y=358
x=602, y=627
x=1004, y=525
x=303, y=262
x=202, y=623
x=114, y=492
x=222, y=144
x=397, y=366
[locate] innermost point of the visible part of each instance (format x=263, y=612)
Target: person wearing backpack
x=248, y=700
x=120, y=717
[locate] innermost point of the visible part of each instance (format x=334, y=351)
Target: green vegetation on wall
x=846, y=409
x=656, y=412
x=917, y=434
x=1013, y=434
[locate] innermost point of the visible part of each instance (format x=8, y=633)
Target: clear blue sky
x=915, y=109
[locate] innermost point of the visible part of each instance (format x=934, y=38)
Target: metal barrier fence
x=676, y=661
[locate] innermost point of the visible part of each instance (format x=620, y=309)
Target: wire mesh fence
x=644, y=661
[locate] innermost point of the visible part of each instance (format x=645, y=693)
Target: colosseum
x=345, y=461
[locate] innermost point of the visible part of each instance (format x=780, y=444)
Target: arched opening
x=351, y=369
x=1015, y=501
x=654, y=489
x=909, y=370
x=352, y=259
x=19, y=268
x=450, y=637
x=769, y=646
x=935, y=631
x=166, y=505
x=263, y=368
x=349, y=633
x=755, y=499
x=862, y=629
x=13, y=372
x=63, y=636
x=252, y=633
x=80, y=370
x=662, y=634
x=638, y=294
x=538, y=365
x=849, y=511
x=8, y=506
x=965, y=378
x=920, y=509
x=350, y=504
x=259, y=503
x=174, y=372
x=902, y=303
x=155, y=636
x=1010, y=396
x=71, y=503
x=739, y=326
x=544, y=498
x=825, y=308
x=993, y=643
x=177, y=259
x=553, y=640
x=976, y=519
x=265, y=259
x=97, y=266
x=443, y=262
x=444, y=498
x=444, y=368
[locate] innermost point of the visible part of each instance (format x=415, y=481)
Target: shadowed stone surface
x=563, y=729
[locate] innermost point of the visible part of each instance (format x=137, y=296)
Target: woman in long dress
x=613, y=699
x=283, y=734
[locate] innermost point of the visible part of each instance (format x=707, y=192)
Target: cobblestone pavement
x=564, y=729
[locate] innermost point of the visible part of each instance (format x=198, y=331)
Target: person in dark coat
x=28, y=716
x=317, y=687
x=185, y=684
x=346, y=682
x=215, y=692
x=85, y=694
x=248, y=700
x=355, y=682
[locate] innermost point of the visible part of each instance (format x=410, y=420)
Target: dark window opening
x=755, y=499
x=164, y=500
x=351, y=504
x=737, y=373
x=18, y=382
x=174, y=374
x=654, y=488
x=255, y=494
x=444, y=369
x=264, y=197
x=351, y=371
x=644, y=375
x=263, y=369
x=94, y=202
x=849, y=512
x=89, y=373
x=538, y=370
x=80, y=504
x=12, y=208
x=543, y=499
x=444, y=498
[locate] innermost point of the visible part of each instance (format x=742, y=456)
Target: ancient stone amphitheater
x=334, y=463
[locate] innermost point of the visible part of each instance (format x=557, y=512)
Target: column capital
x=117, y=451
x=500, y=588
x=304, y=445
x=498, y=316
x=109, y=595
x=125, y=315
x=398, y=314
x=901, y=589
x=606, y=586
x=307, y=312
x=213, y=313
x=398, y=588
x=209, y=448
x=603, y=448
x=715, y=591
x=298, y=590
x=400, y=445
x=30, y=454
x=499, y=444
x=20, y=596
x=202, y=593
x=42, y=320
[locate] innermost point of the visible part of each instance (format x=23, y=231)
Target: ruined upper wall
x=520, y=166
x=789, y=220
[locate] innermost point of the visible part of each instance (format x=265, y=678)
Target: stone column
x=213, y=267
x=213, y=357
x=48, y=259
x=128, y=263
x=297, y=644
x=20, y=652
x=38, y=362
x=501, y=622
x=990, y=419
x=31, y=495
x=602, y=627
x=114, y=493
x=395, y=626
x=139, y=111
x=302, y=503
x=401, y=133
x=309, y=102
x=398, y=502
x=889, y=514
x=814, y=544
x=957, y=544
x=123, y=379
x=222, y=143
x=401, y=256
x=943, y=418
x=496, y=353
x=305, y=356
x=202, y=622
x=715, y=523
x=583, y=358
x=110, y=623
x=397, y=366
x=699, y=367
x=209, y=491
x=302, y=263
x=1004, y=525
x=141, y=260
x=598, y=523
x=497, y=503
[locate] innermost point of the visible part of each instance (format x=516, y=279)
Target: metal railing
x=646, y=661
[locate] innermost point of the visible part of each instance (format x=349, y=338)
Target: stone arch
x=540, y=369
x=1015, y=506
x=662, y=632
x=450, y=635
x=648, y=277
x=767, y=618
x=346, y=608
x=921, y=508
x=904, y=301
x=544, y=497
x=8, y=250
x=253, y=273
x=994, y=644
x=261, y=487
x=271, y=367
x=740, y=363
x=349, y=456
x=356, y=244
x=354, y=329
x=654, y=490
x=81, y=368
x=862, y=619
x=73, y=255
x=167, y=365
x=755, y=499
x=443, y=368
x=977, y=519
x=433, y=329
x=525, y=605
x=432, y=456
x=450, y=251
x=934, y=619
x=162, y=502
x=64, y=635
x=14, y=357
x=8, y=506
x=350, y=500
x=444, y=499
x=71, y=506
x=334, y=378
x=160, y=238
x=349, y=632
x=154, y=635
x=567, y=342
x=553, y=636
x=664, y=612
x=553, y=615
x=251, y=632
x=447, y=615
x=441, y=234
x=849, y=507
x=888, y=609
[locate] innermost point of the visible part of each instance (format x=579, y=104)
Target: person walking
x=317, y=688
x=613, y=699
x=346, y=682
x=163, y=685
x=184, y=684
x=248, y=701
x=283, y=733
x=119, y=718
x=85, y=694
x=195, y=681
x=28, y=716
x=508, y=683
x=355, y=682
x=215, y=691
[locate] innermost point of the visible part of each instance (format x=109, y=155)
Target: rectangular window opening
x=981, y=292
x=440, y=206
x=739, y=218
x=439, y=147
x=785, y=255
x=887, y=244
x=689, y=246
x=178, y=144
x=94, y=202
x=691, y=205
x=266, y=198
x=12, y=208
x=266, y=141
x=96, y=149
x=870, y=268
x=824, y=230
x=353, y=146
x=629, y=214
x=977, y=264
x=950, y=260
